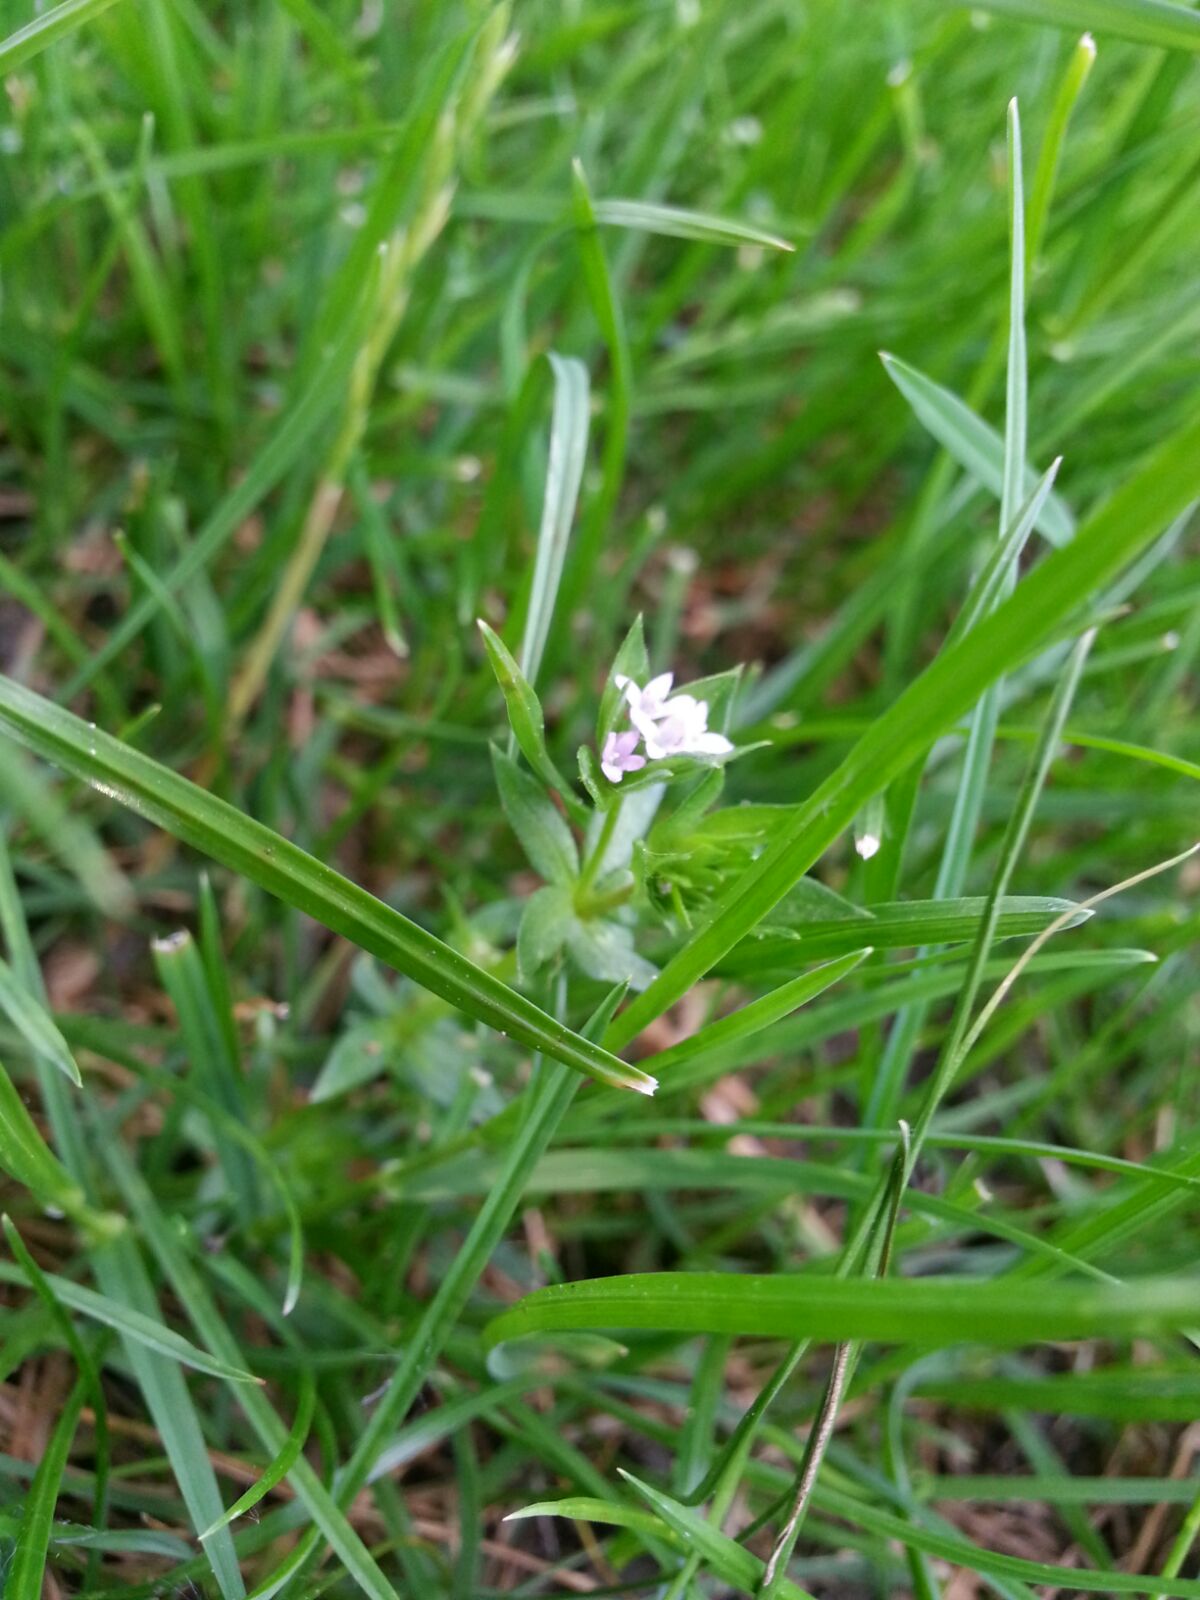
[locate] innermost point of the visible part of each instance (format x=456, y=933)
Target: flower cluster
x=670, y=725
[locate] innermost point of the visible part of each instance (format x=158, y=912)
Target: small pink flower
x=619, y=755
x=681, y=729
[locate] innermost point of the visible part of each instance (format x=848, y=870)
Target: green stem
x=592, y=865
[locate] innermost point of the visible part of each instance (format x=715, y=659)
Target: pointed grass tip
x=640, y=1082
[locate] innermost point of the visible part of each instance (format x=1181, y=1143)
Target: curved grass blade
x=282, y=1463
x=132, y=1324
x=586, y=1508
x=26, y=1156
x=920, y=1311
x=1070, y=87
x=283, y=869
x=679, y=223
x=1116, y=747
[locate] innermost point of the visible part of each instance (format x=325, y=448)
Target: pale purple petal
x=618, y=758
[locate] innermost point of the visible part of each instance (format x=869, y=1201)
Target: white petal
x=684, y=705
x=711, y=744
x=613, y=773
x=659, y=688
x=644, y=724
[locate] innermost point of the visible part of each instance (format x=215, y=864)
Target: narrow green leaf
x=283, y=869
x=606, y=308
x=976, y=446
x=1079, y=66
x=678, y=223
x=38, y=1028
x=545, y=837
x=26, y=1156
x=962, y=1553
x=216, y=1071
x=585, y=1508
x=630, y=661
x=568, y=451
x=133, y=1324
x=282, y=1463
x=758, y=1014
x=89, y=1377
x=525, y=717
x=24, y=1580
x=542, y=932
x=904, y=925
x=918, y=1311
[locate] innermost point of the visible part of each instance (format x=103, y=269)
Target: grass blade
x=921, y=1311
x=568, y=451
x=282, y=1463
x=24, y=1580
x=133, y=1324
x=975, y=445
x=88, y=1375
x=679, y=223
x=38, y=1029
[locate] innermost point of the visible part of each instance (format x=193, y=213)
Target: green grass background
x=277, y=285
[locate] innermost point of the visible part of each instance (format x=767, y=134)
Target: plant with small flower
x=596, y=906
